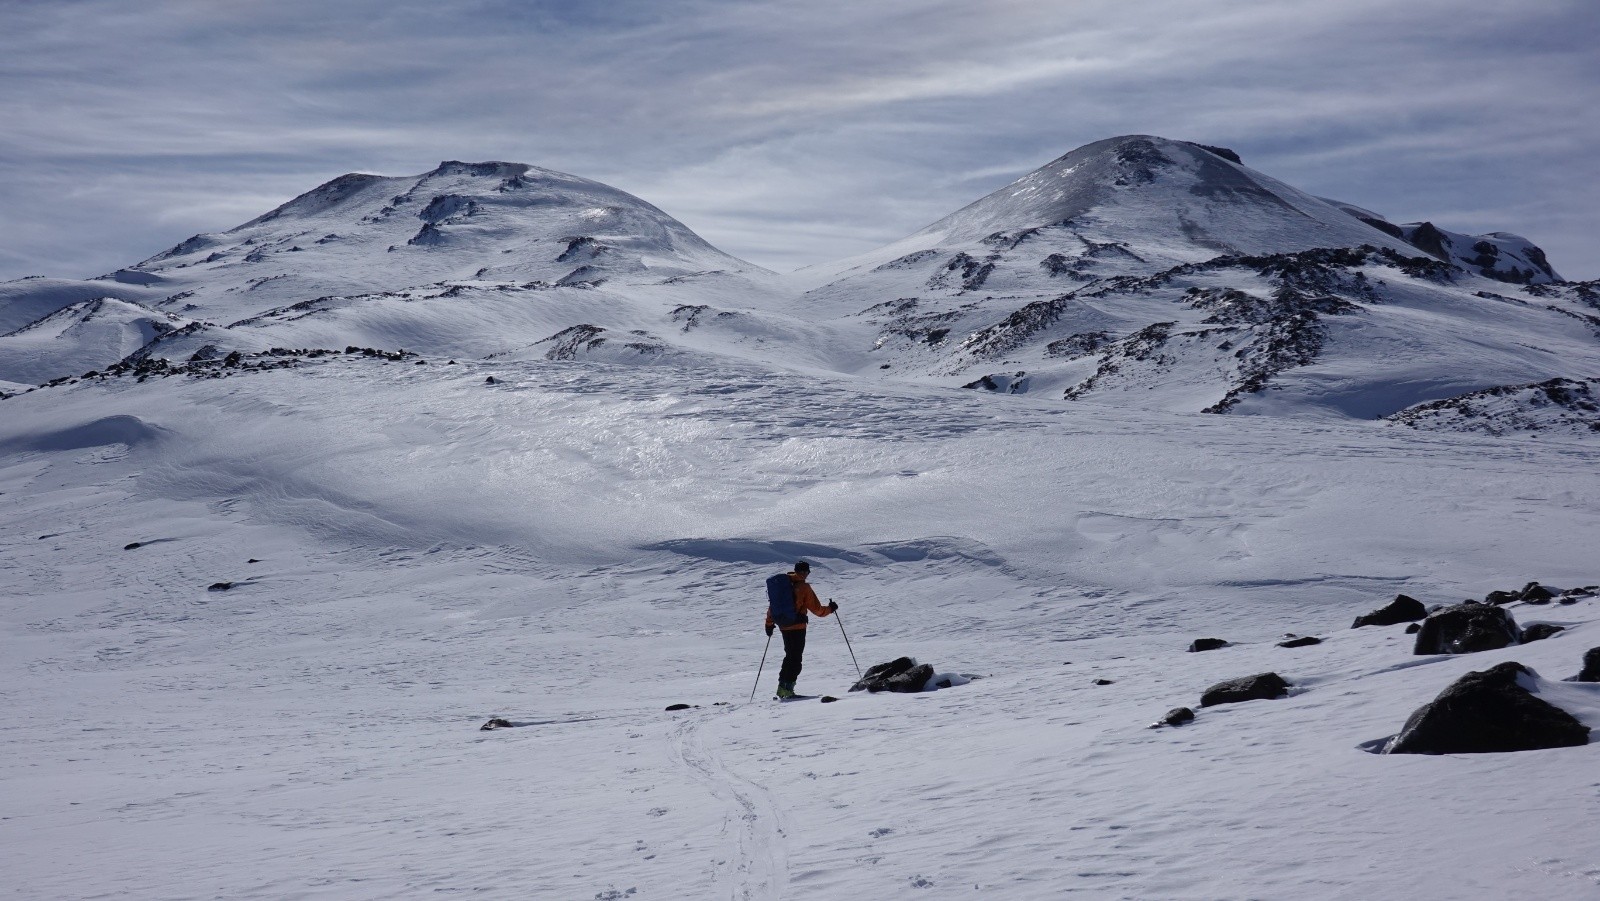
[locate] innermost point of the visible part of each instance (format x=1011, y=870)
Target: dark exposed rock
x=1104, y=682
x=219, y=586
x=1223, y=152
x=1488, y=712
x=490, y=380
x=903, y=674
x=1534, y=593
x=1591, y=667
x=1206, y=644
x=1403, y=609
x=881, y=673
x=828, y=699
x=1300, y=642
x=1499, y=598
x=672, y=707
x=1177, y=716
x=971, y=273
x=1260, y=687
x=495, y=723
x=912, y=680
x=133, y=545
x=1077, y=345
x=1540, y=631
x=1465, y=629
x=1428, y=239
x=1414, y=628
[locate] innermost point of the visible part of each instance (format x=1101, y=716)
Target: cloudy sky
x=784, y=131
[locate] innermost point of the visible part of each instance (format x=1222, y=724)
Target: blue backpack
x=780, y=601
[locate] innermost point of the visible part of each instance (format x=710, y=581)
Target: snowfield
x=288, y=511
x=579, y=545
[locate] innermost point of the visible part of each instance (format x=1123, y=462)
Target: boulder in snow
x=1534, y=593
x=1299, y=641
x=912, y=680
x=903, y=674
x=1260, y=687
x=1591, y=667
x=1486, y=712
x=1206, y=644
x=1465, y=629
x=1540, y=631
x=1177, y=716
x=1403, y=609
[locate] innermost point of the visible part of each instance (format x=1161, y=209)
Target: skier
x=794, y=634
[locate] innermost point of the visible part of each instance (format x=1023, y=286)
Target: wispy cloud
x=786, y=131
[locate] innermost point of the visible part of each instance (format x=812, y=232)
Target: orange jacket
x=805, y=601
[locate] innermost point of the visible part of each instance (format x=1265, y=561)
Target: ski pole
x=761, y=667
x=846, y=643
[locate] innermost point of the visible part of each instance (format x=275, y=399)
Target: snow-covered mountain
x=469, y=259
x=1137, y=271
x=263, y=575
x=1166, y=274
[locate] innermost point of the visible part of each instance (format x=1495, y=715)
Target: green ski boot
x=785, y=690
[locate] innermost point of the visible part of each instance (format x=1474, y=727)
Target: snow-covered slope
x=410, y=550
x=1558, y=407
x=1164, y=274
x=1134, y=204
x=87, y=335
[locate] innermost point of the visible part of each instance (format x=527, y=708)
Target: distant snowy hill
x=1136, y=271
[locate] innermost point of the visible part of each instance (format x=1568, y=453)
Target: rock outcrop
x=1403, y=609
x=1260, y=687
x=1299, y=641
x=1465, y=629
x=1591, y=667
x=1488, y=712
x=1540, y=631
x=903, y=674
x=1177, y=716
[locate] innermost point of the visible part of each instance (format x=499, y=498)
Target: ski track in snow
x=756, y=867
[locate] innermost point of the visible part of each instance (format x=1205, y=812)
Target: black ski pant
x=794, y=647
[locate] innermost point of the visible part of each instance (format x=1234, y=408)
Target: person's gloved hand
x=832, y=606
x=769, y=630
